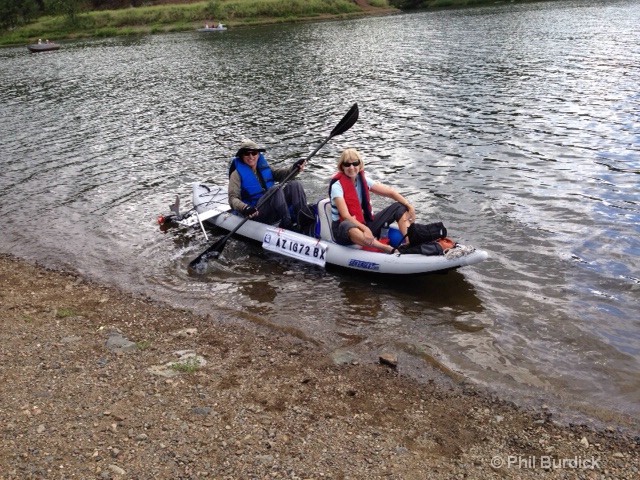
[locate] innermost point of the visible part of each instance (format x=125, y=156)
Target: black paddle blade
x=199, y=264
x=347, y=121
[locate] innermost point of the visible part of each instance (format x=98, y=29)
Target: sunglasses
x=251, y=152
x=351, y=164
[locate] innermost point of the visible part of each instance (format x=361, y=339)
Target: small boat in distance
x=219, y=28
x=41, y=46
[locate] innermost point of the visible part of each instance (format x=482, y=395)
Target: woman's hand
x=411, y=213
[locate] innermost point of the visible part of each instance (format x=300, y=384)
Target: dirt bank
x=100, y=384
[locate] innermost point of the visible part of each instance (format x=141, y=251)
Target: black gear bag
x=419, y=234
x=423, y=239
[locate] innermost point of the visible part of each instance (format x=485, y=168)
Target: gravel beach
x=101, y=384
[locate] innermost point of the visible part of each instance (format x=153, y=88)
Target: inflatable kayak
x=43, y=47
x=219, y=28
x=210, y=206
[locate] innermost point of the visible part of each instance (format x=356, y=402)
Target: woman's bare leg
x=357, y=237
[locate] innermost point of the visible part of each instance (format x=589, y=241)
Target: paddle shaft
x=270, y=193
x=219, y=245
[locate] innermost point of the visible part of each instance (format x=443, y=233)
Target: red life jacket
x=362, y=212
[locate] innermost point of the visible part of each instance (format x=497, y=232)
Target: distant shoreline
x=167, y=17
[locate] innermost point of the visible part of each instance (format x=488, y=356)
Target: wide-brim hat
x=248, y=145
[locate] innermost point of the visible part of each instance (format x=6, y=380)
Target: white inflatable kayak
x=211, y=206
x=219, y=28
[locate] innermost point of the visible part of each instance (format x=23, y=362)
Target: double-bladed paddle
x=215, y=249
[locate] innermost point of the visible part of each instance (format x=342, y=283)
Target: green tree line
x=19, y=13
x=14, y=13
x=23, y=20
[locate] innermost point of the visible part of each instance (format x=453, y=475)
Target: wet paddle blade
x=347, y=121
x=199, y=264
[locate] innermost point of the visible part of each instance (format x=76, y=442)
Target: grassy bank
x=233, y=13
x=183, y=17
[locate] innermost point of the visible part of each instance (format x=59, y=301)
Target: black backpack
x=419, y=234
x=423, y=239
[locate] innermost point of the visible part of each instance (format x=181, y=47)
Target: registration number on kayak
x=295, y=245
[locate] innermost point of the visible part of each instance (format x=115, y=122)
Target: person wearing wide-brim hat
x=248, y=146
x=250, y=177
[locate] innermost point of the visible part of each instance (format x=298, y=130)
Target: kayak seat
x=324, y=222
x=324, y=219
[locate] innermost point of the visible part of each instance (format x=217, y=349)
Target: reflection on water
x=516, y=125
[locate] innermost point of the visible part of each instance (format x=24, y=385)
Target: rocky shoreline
x=98, y=383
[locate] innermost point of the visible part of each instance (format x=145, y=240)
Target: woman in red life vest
x=353, y=219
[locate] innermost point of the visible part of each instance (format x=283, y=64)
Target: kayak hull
x=43, y=47
x=351, y=257
x=212, y=29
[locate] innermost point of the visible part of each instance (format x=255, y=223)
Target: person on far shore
x=351, y=212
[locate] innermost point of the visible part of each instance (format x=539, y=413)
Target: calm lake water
x=516, y=125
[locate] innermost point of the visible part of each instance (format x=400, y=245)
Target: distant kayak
x=219, y=28
x=43, y=47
